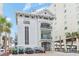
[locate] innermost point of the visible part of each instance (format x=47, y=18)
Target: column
x=52, y=46
x=65, y=47
x=77, y=43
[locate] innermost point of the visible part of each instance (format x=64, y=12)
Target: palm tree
x=76, y=34
x=7, y=30
x=5, y=27
x=2, y=21
x=77, y=40
x=72, y=36
x=68, y=34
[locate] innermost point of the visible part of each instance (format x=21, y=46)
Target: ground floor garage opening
x=46, y=45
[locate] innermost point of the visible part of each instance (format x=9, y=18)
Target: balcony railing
x=46, y=27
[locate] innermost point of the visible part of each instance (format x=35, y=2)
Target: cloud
x=27, y=6
x=8, y=19
x=40, y=3
x=42, y=8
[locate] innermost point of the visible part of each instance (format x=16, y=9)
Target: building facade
x=48, y=29
x=1, y=9
x=35, y=29
x=67, y=20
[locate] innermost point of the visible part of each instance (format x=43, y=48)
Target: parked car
x=39, y=50
x=20, y=50
x=2, y=52
x=29, y=50
x=14, y=51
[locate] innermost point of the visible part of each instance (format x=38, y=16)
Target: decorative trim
x=32, y=16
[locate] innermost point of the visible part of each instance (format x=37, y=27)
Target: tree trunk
x=9, y=40
x=0, y=40
x=5, y=43
x=72, y=43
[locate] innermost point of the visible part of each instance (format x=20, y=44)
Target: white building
x=1, y=9
x=35, y=29
x=67, y=20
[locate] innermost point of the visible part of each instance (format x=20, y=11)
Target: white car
x=2, y=51
x=39, y=50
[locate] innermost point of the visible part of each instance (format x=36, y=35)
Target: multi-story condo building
x=66, y=20
x=35, y=29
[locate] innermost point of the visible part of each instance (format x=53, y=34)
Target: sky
x=9, y=10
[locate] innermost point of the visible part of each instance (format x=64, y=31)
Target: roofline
x=23, y=12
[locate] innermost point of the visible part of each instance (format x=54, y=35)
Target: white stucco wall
x=70, y=16
x=1, y=9
x=34, y=31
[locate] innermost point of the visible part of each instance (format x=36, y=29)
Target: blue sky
x=11, y=8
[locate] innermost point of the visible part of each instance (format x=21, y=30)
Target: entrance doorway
x=46, y=45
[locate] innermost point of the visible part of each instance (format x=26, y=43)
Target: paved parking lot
x=51, y=53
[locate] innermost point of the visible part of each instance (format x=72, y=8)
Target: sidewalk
x=49, y=53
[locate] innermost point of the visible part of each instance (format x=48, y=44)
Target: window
x=26, y=22
x=32, y=16
x=65, y=11
x=51, y=18
x=65, y=28
x=37, y=16
x=46, y=34
x=27, y=16
x=55, y=5
x=45, y=17
x=45, y=25
x=78, y=22
x=26, y=35
x=20, y=15
x=45, y=13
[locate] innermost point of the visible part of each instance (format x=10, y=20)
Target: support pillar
x=65, y=47
x=77, y=43
x=52, y=46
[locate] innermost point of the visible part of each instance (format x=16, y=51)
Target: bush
x=14, y=51
x=21, y=51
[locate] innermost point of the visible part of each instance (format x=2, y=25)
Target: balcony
x=46, y=39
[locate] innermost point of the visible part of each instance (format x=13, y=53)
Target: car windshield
x=2, y=50
x=36, y=48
